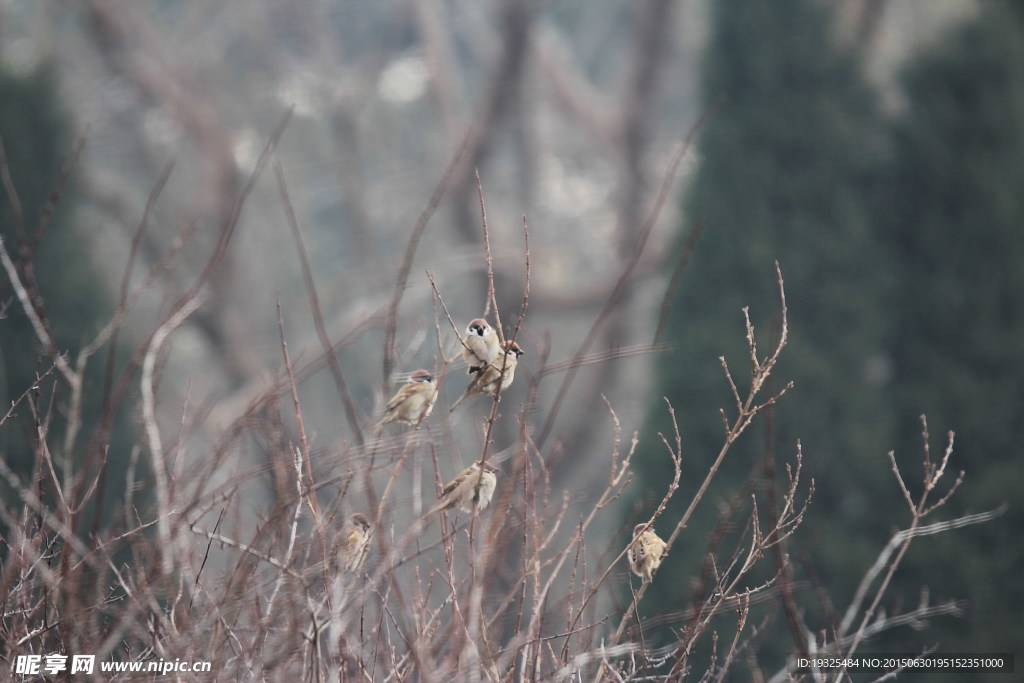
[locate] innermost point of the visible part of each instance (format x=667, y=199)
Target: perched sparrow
x=414, y=401
x=471, y=490
x=352, y=543
x=645, y=552
x=482, y=345
x=499, y=373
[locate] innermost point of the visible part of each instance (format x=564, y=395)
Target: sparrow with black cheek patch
x=495, y=376
x=482, y=345
x=352, y=543
x=471, y=490
x=413, y=402
x=646, y=551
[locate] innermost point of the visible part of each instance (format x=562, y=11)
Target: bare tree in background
x=199, y=571
x=268, y=316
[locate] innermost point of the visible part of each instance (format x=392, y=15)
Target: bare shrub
x=199, y=566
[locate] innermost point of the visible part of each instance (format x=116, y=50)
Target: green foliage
x=787, y=173
x=32, y=134
x=957, y=227
x=905, y=283
x=51, y=252
x=36, y=143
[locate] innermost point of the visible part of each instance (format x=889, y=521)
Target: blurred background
x=873, y=148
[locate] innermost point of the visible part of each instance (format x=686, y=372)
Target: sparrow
x=471, y=490
x=352, y=543
x=496, y=375
x=646, y=552
x=482, y=345
x=413, y=402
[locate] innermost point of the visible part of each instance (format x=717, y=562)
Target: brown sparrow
x=352, y=543
x=414, y=401
x=646, y=552
x=482, y=345
x=495, y=376
x=471, y=490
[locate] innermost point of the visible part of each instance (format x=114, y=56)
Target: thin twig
x=391, y=321
x=156, y=449
x=627, y=271
x=314, y=303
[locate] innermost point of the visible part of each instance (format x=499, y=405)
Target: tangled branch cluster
x=505, y=578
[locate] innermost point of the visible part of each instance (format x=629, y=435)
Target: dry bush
x=202, y=565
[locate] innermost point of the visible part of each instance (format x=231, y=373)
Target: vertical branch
x=12, y=195
x=38, y=326
x=156, y=449
x=677, y=275
x=292, y=533
x=391, y=324
x=493, y=416
x=314, y=303
x=489, y=260
x=526, y=285
x=676, y=453
x=620, y=286
x=747, y=408
x=58, y=190
x=114, y=332
x=918, y=510
x=303, y=441
x=133, y=251
x=227, y=231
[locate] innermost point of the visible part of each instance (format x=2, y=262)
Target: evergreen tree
x=35, y=138
x=51, y=252
x=957, y=228
x=786, y=173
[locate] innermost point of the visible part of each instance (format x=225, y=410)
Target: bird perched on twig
x=495, y=376
x=352, y=543
x=413, y=402
x=471, y=490
x=482, y=345
x=646, y=551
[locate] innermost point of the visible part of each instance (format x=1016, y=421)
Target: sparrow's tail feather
x=442, y=505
